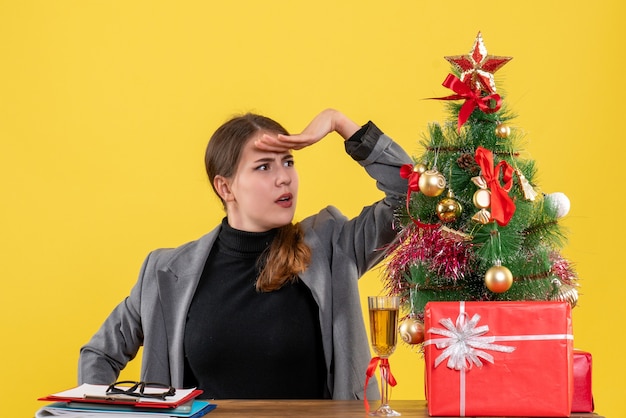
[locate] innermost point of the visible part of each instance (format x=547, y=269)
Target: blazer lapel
x=177, y=282
x=315, y=277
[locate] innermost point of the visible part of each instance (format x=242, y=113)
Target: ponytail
x=286, y=258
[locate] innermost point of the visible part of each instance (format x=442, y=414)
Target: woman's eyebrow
x=270, y=159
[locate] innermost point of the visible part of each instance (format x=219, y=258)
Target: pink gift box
x=583, y=396
x=499, y=358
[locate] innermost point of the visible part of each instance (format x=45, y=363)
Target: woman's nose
x=284, y=175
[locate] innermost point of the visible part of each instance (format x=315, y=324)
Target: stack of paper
x=93, y=401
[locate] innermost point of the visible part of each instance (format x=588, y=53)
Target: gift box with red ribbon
x=498, y=358
x=583, y=396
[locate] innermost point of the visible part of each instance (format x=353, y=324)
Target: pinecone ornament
x=468, y=163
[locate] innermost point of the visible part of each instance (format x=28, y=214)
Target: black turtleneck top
x=240, y=343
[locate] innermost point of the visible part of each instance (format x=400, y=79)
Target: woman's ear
x=222, y=186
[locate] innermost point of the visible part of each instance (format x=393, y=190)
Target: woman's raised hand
x=329, y=120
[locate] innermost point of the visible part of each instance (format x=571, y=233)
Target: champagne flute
x=383, y=312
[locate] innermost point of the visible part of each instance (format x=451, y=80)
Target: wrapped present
x=583, y=396
x=498, y=358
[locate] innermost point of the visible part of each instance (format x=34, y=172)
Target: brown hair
x=288, y=255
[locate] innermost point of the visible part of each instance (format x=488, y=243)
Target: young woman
x=260, y=307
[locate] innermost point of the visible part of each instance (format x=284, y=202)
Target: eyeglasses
x=141, y=389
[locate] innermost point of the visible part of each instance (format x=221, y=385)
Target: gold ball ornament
x=432, y=183
x=412, y=330
x=420, y=168
x=503, y=131
x=449, y=209
x=498, y=279
x=563, y=292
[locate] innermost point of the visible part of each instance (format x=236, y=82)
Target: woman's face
x=263, y=192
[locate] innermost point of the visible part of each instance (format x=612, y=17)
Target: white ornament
x=560, y=202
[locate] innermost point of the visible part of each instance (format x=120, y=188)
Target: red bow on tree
x=488, y=104
x=502, y=206
x=407, y=171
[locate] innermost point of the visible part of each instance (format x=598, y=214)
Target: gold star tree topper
x=477, y=67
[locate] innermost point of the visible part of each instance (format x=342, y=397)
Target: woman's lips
x=285, y=200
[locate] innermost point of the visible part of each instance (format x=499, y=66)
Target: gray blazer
x=154, y=313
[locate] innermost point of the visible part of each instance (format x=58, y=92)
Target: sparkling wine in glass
x=383, y=312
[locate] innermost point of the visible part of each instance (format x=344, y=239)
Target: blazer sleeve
x=366, y=236
x=116, y=342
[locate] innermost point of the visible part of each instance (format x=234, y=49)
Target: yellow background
x=106, y=107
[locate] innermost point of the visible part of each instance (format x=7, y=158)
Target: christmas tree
x=476, y=226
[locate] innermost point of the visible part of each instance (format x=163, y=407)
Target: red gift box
x=583, y=396
x=498, y=358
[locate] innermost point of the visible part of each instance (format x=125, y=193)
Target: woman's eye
x=263, y=167
x=289, y=163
